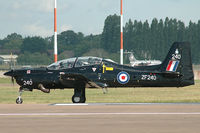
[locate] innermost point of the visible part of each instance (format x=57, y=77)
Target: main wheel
x=78, y=99
x=79, y=93
x=19, y=100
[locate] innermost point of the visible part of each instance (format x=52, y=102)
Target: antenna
x=55, y=33
x=121, y=29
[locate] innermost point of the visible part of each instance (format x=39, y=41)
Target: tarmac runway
x=100, y=118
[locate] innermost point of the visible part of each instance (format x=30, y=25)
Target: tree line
x=146, y=40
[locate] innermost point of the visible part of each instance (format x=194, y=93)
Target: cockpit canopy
x=75, y=62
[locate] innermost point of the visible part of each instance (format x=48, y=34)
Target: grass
x=190, y=94
x=5, y=80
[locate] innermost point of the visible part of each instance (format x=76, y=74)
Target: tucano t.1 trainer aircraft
x=93, y=72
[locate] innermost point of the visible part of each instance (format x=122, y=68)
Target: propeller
x=11, y=73
x=12, y=80
x=12, y=69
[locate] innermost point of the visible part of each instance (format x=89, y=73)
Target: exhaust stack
x=41, y=87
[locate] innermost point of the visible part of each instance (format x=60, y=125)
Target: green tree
x=181, y=32
x=13, y=42
x=111, y=34
x=193, y=37
x=33, y=45
x=128, y=35
x=67, y=40
x=34, y=59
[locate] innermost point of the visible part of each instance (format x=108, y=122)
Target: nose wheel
x=19, y=100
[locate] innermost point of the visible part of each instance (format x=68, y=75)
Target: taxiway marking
x=94, y=104
x=70, y=104
x=90, y=114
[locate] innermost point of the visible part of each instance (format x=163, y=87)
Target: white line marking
x=89, y=114
x=70, y=104
x=94, y=104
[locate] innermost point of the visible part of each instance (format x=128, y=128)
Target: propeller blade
x=12, y=79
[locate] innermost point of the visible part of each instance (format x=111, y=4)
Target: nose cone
x=9, y=73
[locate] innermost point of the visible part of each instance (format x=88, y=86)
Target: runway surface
x=98, y=118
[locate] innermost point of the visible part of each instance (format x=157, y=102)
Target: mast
x=121, y=30
x=55, y=33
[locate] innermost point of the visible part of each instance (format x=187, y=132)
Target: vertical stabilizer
x=179, y=61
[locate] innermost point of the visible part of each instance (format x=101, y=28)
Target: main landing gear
x=19, y=100
x=79, y=94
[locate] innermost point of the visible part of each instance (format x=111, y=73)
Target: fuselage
x=104, y=74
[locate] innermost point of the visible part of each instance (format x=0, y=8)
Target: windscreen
x=87, y=61
x=63, y=64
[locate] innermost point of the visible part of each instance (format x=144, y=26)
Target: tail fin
x=179, y=61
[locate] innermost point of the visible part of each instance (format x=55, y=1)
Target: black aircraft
x=93, y=72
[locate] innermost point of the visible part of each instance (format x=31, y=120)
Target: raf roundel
x=123, y=77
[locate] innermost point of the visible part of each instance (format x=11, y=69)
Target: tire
x=76, y=99
x=19, y=101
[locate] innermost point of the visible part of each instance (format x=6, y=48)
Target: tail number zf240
x=148, y=77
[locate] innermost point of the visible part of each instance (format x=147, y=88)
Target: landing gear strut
x=19, y=100
x=79, y=94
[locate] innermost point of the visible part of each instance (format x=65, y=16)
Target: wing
x=73, y=77
x=76, y=78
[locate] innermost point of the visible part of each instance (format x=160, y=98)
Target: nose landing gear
x=19, y=100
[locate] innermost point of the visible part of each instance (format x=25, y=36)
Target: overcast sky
x=35, y=17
